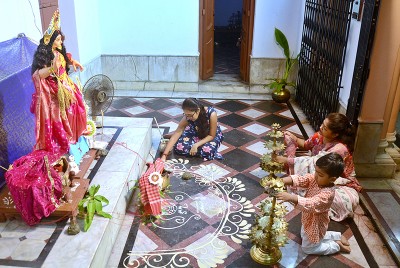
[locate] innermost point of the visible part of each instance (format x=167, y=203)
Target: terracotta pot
x=281, y=96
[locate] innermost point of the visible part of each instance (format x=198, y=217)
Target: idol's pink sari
x=57, y=125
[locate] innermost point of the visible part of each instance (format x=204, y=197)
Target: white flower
x=263, y=221
x=156, y=178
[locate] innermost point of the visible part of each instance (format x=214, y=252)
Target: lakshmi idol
x=60, y=115
x=57, y=102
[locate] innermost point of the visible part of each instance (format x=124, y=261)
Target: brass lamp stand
x=269, y=231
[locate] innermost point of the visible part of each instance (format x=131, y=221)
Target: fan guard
x=98, y=92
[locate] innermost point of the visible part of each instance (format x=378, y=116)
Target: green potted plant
x=279, y=84
x=92, y=204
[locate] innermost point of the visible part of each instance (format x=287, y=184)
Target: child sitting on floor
x=315, y=206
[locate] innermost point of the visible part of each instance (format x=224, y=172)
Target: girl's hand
x=193, y=150
x=163, y=158
x=279, y=158
x=291, y=135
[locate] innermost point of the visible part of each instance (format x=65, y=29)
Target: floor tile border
x=390, y=240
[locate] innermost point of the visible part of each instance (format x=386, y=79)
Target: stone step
x=219, y=83
x=131, y=139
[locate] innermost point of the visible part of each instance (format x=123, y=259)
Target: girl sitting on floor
x=198, y=132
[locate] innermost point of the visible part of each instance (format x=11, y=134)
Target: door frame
x=250, y=29
x=245, y=52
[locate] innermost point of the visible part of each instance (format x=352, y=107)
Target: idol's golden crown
x=53, y=26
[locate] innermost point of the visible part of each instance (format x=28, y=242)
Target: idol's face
x=57, y=42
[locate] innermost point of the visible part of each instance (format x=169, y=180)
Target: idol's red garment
x=35, y=186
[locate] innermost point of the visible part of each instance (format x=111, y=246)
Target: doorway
x=228, y=26
x=225, y=38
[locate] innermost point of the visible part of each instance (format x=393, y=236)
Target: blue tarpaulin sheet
x=17, y=124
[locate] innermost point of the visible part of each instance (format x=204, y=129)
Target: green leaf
x=92, y=190
x=91, y=209
x=104, y=214
x=282, y=42
x=87, y=224
x=98, y=206
x=82, y=203
x=101, y=199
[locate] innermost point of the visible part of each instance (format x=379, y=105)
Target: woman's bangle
x=165, y=155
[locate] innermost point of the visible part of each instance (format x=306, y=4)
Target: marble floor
x=244, y=123
x=213, y=212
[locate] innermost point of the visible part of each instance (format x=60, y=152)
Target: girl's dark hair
x=339, y=124
x=332, y=164
x=193, y=104
x=44, y=54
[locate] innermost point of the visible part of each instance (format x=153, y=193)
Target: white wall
x=348, y=70
x=286, y=15
x=151, y=27
x=81, y=26
x=20, y=16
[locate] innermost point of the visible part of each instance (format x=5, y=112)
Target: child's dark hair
x=193, y=105
x=332, y=164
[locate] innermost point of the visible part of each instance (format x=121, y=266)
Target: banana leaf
x=282, y=42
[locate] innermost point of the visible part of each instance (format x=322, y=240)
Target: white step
x=117, y=175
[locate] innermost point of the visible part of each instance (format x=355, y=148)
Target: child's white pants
x=325, y=246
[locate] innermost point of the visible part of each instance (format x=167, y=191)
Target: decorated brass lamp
x=269, y=231
x=267, y=163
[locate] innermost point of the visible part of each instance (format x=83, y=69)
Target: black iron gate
x=323, y=47
x=361, y=67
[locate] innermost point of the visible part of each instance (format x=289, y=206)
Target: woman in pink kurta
x=336, y=135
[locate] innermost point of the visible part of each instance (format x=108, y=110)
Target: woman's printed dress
x=207, y=151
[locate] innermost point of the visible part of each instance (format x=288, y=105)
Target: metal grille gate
x=323, y=47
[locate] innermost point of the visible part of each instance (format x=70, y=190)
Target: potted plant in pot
x=279, y=84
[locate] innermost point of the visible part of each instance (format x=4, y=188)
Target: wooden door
x=246, y=38
x=206, y=39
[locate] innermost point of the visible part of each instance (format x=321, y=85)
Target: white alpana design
x=223, y=200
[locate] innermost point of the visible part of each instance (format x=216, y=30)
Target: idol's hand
x=76, y=64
